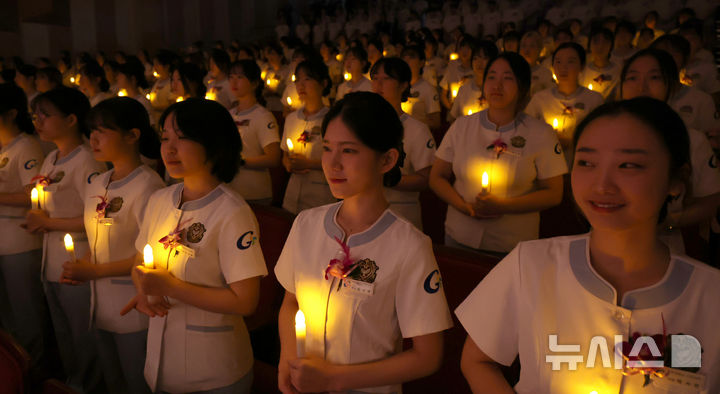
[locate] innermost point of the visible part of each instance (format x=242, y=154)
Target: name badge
x=679, y=381
x=358, y=287
x=106, y=221
x=190, y=252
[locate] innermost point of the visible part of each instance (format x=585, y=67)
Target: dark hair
x=307, y=52
x=661, y=119
x=123, y=114
x=574, y=46
x=317, y=70
x=12, y=97
x=668, y=70
x=415, y=51
x=377, y=44
x=27, y=70
x=565, y=31
x=191, y=77
x=250, y=70
x=165, y=57
x=396, y=69
x=209, y=124
x=375, y=123
x=133, y=68
x=248, y=50
x=221, y=60
x=652, y=13
x=94, y=71
x=359, y=53
x=52, y=74
x=605, y=33
x=8, y=75
x=488, y=48
x=521, y=70
x=627, y=26
x=512, y=35
x=677, y=43
x=68, y=101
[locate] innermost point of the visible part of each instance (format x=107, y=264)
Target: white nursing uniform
x=112, y=238
x=419, y=147
x=220, y=91
x=311, y=189
x=258, y=129
x=602, y=80
x=533, y=152
x=396, y=294
x=191, y=349
x=549, y=287
x=96, y=99
x=455, y=76
x=696, y=108
x=423, y=101
x=364, y=85
x=64, y=198
x=20, y=161
x=542, y=78
x=468, y=101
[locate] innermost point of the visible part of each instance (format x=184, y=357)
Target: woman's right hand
x=284, y=383
x=151, y=306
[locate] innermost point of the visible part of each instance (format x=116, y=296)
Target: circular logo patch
x=195, y=232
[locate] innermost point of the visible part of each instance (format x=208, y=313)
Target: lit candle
x=406, y=106
x=347, y=76
x=300, y=332
x=385, y=53
x=148, y=256
x=454, y=91
x=554, y=77
x=34, y=199
x=122, y=93
x=72, y=79
x=41, y=196
x=339, y=57
x=210, y=95
x=485, y=182
x=77, y=79
x=289, y=101
x=179, y=99
x=555, y=123
x=470, y=112
x=263, y=74
x=454, y=56
x=155, y=74
x=69, y=247
x=289, y=145
x=147, y=96
x=293, y=78
x=590, y=86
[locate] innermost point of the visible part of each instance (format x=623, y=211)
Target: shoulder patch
x=30, y=164
x=246, y=240
x=271, y=125
x=558, y=150
x=518, y=141
x=89, y=179
x=432, y=286
x=430, y=143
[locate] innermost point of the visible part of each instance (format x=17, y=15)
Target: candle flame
x=555, y=123
x=210, y=95
x=68, y=243
x=594, y=392
x=268, y=82
x=77, y=79
x=470, y=112
x=155, y=74
x=300, y=321
x=147, y=96
x=590, y=86
x=485, y=179
x=289, y=144
x=293, y=78
x=179, y=99
x=148, y=256
x=289, y=101
x=385, y=53
x=122, y=93
x=263, y=74
x=347, y=76
x=72, y=79
x=339, y=57
x=554, y=77
x=454, y=92
x=454, y=56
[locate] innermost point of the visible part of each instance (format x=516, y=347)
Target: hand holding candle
x=70, y=247
x=148, y=257
x=300, y=332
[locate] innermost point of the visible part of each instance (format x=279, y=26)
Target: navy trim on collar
x=129, y=177
x=485, y=121
x=247, y=111
x=314, y=116
x=669, y=288
x=69, y=156
x=556, y=93
x=367, y=236
x=200, y=202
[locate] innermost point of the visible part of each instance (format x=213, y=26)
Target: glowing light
x=454, y=91
x=339, y=57
x=155, y=74
x=406, y=106
x=300, y=333
x=148, y=256
x=289, y=145
x=454, y=56
x=147, y=96
x=385, y=53
x=263, y=74
x=293, y=78
x=590, y=87
x=555, y=123
x=289, y=101
x=35, y=198
x=210, y=95
x=179, y=99
x=470, y=112
x=122, y=93
x=69, y=247
x=485, y=182
x=72, y=79
x=594, y=392
x=347, y=76
x=77, y=79
x=554, y=77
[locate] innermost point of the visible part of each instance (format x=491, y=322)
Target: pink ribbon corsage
x=41, y=180
x=304, y=137
x=498, y=147
x=341, y=267
x=173, y=239
x=101, y=207
x=568, y=110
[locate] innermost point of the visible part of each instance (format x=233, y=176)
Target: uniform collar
x=69, y=156
x=122, y=182
x=247, y=111
x=14, y=141
x=486, y=123
x=404, y=117
x=333, y=230
x=673, y=284
x=318, y=114
x=556, y=93
x=195, y=204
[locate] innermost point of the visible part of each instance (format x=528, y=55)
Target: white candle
x=69, y=247
x=300, y=332
x=148, y=256
x=35, y=199
x=485, y=182
x=555, y=123
x=289, y=145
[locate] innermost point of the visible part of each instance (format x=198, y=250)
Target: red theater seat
x=14, y=365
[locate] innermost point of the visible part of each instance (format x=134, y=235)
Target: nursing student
x=218, y=87
x=521, y=156
x=531, y=44
x=258, y=131
x=207, y=261
x=565, y=105
x=93, y=83
x=24, y=313
x=65, y=176
x=341, y=266
x=423, y=103
x=307, y=187
x=391, y=79
x=652, y=73
x=187, y=81
x=601, y=72
x=618, y=280
x=115, y=204
x=161, y=95
x=469, y=99
x=356, y=66
x=457, y=72
x=132, y=83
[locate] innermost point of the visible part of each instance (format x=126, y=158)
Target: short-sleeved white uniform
x=64, y=198
x=468, y=101
x=419, y=147
x=603, y=80
x=696, y=108
x=423, y=101
x=20, y=161
x=220, y=91
x=364, y=85
x=549, y=287
x=305, y=190
x=191, y=349
x=455, y=76
x=703, y=74
x=404, y=297
x=258, y=129
x=533, y=152
x=112, y=238
x=96, y=99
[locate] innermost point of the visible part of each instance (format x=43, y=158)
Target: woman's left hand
x=35, y=221
x=154, y=281
x=488, y=206
x=299, y=164
x=311, y=374
x=78, y=271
